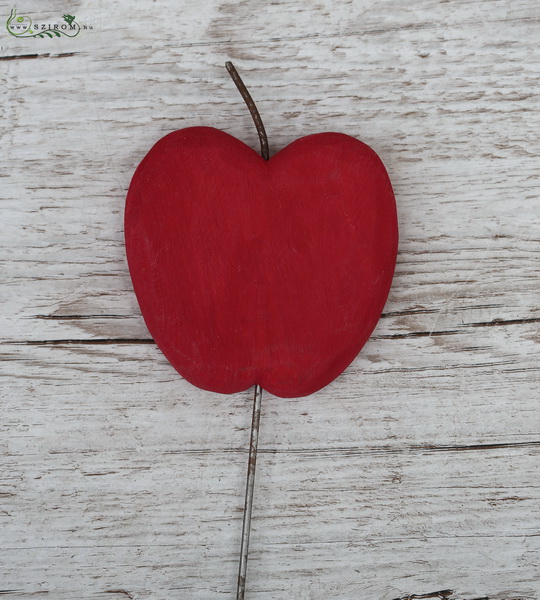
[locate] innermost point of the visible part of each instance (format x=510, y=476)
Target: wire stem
x=265, y=152
x=250, y=486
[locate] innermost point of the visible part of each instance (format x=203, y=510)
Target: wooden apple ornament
x=260, y=272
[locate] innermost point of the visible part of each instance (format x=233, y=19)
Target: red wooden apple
x=260, y=272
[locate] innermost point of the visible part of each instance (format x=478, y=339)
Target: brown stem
x=265, y=152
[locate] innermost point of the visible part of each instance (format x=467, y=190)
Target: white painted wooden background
x=417, y=470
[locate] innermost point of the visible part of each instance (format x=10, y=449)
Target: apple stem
x=265, y=152
x=250, y=486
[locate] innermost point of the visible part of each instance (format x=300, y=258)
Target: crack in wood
x=440, y=594
x=415, y=334
x=344, y=451
x=341, y=451
x=23, y=592
x=90, y=341
x=46, y=55
x=499, y=322
x=446, y=594
x=429, y=311
x=466, y=447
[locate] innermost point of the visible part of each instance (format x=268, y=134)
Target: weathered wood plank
x=431, y=397
x=373, y=526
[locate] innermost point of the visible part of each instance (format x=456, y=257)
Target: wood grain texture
x=414, y=472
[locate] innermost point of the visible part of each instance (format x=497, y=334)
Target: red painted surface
x=260, y=272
